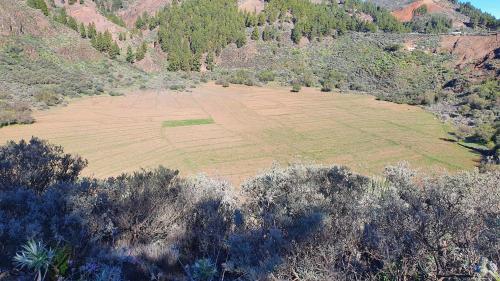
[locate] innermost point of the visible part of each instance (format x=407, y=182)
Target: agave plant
x=35, y=256
x=203, y=270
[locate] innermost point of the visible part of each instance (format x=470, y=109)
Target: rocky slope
x=404, y=9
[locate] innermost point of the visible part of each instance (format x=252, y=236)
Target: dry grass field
x=248, y=129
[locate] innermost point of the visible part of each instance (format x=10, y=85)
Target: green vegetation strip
x=187, y=122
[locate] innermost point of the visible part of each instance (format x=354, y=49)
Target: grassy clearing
x=187, y=122
x=256, y=126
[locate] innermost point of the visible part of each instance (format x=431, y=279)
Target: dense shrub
x=333, y=80
x=36, y=165
x=242, y=77
x=15, y=113
x=329, y=224
x=298, y=221
x=39, y=4
x=301, y=222
x=266, y=76
x=115, y=19
x=296, y=87
x=158, y=218
x=433, y=23
x=420, y=11
x=449, y=221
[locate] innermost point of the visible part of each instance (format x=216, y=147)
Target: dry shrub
x=301, y=222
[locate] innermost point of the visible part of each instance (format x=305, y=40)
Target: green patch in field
x=187, y=122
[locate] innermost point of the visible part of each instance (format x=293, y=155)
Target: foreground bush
x=301, y=222
x=36, y=165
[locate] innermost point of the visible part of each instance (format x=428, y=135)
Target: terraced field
x=248, y=129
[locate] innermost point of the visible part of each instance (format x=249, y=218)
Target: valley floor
x=253, y=128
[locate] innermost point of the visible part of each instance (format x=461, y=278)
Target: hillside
x=42, y=62
x=444, y=7
x=372, y=51
x=471, y=50
x=391, y=4
x=249, y=140
x=88, y=13
x=404, y=10
x=138, y=8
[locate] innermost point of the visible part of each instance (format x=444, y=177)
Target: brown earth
x=16, y=18
x=131, y=13
x=405, y=14
x=469, y=49
x=252, y=6
x=88, y=13
x=153, y=61
x=254, y=128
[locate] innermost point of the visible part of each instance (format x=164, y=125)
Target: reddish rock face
x=131, y=13
x=405, y=13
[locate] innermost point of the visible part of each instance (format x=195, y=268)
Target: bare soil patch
x=405, y=14
x=253, y=128
x=470, y=49
x=252, y=6
x=88, y=13
x=131, y=13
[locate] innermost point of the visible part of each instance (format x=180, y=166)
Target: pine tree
x=209, y=61
x=268, y=33
x=194, y=27
x=107, y=41
x=241, y=41
x=93, y=42
x=250, y=19
x=139, y=23
x=195, y=63
x=114, y=51
x=296, y=35
x=99, y=42
x=174, y=61
x=72, y=23
x=39, y=4
x=140, y=53
x=130, y=55
x=62, y=17
x=83, y=32
x=261, y=19
x=145, y=20
x=43, y=7
x=255, y=34
x=91, y=31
